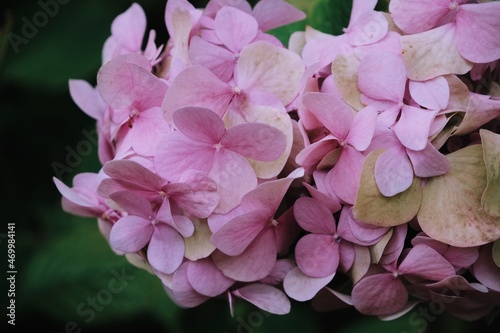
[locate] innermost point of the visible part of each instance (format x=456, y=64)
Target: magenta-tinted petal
x=147, y=130
x=131, y=233
x=313, y=216
x=216, y=58
x=280, y=270
x=201, y=198
x=267, y=298
x=363, y=127
x=234, y=177
x=129, y=27
x=477, y=32
x=183, y=225
x=237, y=234
x=485, y=270
x=235, y=28
x=331, y=111
x=331, y=203
x=130, y=172
x=425, y=262
x=346, y=174
x=166, y=249
x=317, y=255
x=395, y=245
x=311, y=155
x=393, y=171
x=391, y=85
x=197, y=86
x=413, y=127
x=206, y=278
x=214, y=6
x=461, y=257
x=255, y=263
x=267, y=196
x=124, y=83
x=301, y=287
x=428, y=162
x=257, y=141
x=275, y=13
x=286, y=232
x=417, y=16
x=182, y=292
x=366, y=233
x=431, y=94
x=177, y=153
x=74, y=196
x=199, y=124
x=133, y=203
x=87, y=98
x=379, y=295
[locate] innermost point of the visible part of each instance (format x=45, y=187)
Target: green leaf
x=451, y=210
x=373, y=207
x=490, y=200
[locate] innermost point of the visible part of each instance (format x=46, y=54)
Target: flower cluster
x=353, y=170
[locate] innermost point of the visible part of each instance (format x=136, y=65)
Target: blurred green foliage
x=64, y=264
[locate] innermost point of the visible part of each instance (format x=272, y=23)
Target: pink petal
x=263, y=66
x=129, y=27
x=393, y=172
x=197, y=86
x=317, y=255
x=276, y=13
x=214, y=6
x=347, y=256
x=485, y=270
x=395, y=245
x=202, y=197
x=301, y=287
x=218, y=59
x=124, y=82
x=182, y=292
x=461, y=257
x=330, y=111
x=235, y=28
x=74, y=196
x=131, y=233
x=362, y=129
x=133, y=173
x=367, y=28
x=172, y=6
x=366, y=233
x=417, y=16
x=431, y=94
x=166, y=249
x=237, y=234
x=234, y=177
x=313, y=216
x=267, y=298
x=206, y=278
x=172, y=159
x=390, y=86
x=332, y=204
x=413, y=127
x=286, y=232
x=255, y=263
x=280, y=270
x=477, y=32
x=379, y=295
x=311, y=155
x=267, y=196
x=133, y=203
x=87, y=98
x=199, y=124
x=148, y=128
x=428, y=162
x=425, y=262
x=346, y=173
x=257, y=141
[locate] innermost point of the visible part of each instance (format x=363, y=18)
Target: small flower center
x=237, y=90
x=217, y=146
x=337, y=238
x=395, y=275
x=273, y=223
x=454, y=5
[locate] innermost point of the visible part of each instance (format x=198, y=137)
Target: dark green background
x=62, y=260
